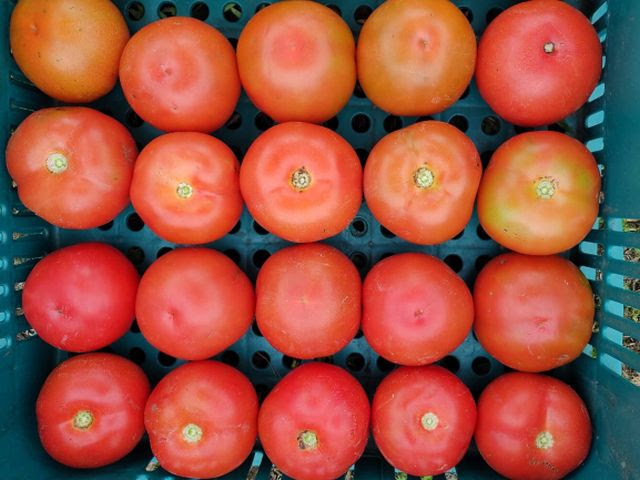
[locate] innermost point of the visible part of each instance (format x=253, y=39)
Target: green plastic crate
x=602, y=375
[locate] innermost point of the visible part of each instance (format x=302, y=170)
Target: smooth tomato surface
x=70, y=49
x=423, y=419
x=90, y=409
x=185, y=187
x=202, y=419
x=415, y=57
x=193, y=303
x=539, y=195
x=308, y=300
x=302, y=182
x=415, y=309
x=81, y=298
x=533, y=313
x=538, y=62
x=532, y=427
x=315, y=423
x=72, y=165
x=420, y=182
x=297, y=61
x=180, y=74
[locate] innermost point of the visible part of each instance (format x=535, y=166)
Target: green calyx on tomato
x=57, y=162
x=307, y=440
x=423, y=177
x=546, y=187
x=83, y=419
x=544, y=440
x=191, y=433
x=184, y=190
x=429, y=421
x=301, y=179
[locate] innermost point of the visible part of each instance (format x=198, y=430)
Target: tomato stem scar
x=301, y=179
x=544, y=440
x=82, y=419
x=57, y=163
x=307, y=440
x=429, y=421
x=549, y=47
x=184, y=190
x=423, y=177
x=546, y=187
x=191, y=433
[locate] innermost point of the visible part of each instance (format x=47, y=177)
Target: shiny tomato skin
x=70, y=49
x=185, y=187
x=180, y=74
x=415, y=309
x=532, y=427
x=423, y=419
x=82, y=297
x=308, y=300
x=202, y=419
x=315, y=423
x=415, y=57
x=540, y=193
x=90, y=409
x=99, y=153
x=321, y=207
x=430, y=209
x=297, y=61
x=533, y=313
x=523, y=83
x=193, y=303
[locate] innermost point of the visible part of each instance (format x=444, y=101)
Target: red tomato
x=193, y=303
x=315, y=423
x=72, y=165
x=202, y=419
x=532, y=427
x=539, y=194
x=308, y=300
x=415, y=309
x=185, y=187
x=423, y=419
x=421, y=182
x=81, y=298
x=70, y=49
x=533, y=313
x=302, y=182
x=297, y=61
x=90, y=410
x=416, y=57
x=180, y=74
x=538, y=62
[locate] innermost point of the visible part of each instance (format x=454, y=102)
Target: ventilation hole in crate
x=255, y=329
x=386, y=233
x=106, y=226
x=518, y=129
x=481, y=366
x=467, y=13
x=200, y=10
x=481, y=261
x=236, y=228
x=260, y=257
x=384, y=365
x=262, y=391
x=233, y=255
x=135, y=11
x=133, y=120
x=459, y=235
x=362, y=13
x=492, y=14
x=362, y=155
x=233, y=41
x=451, y=363
x=360, y=260
x=165, y=360
x=335, y=8
x=263, y=121
x=460, y=122
x=359, y=334
x=259, y=229
x=134, y=328
x=482, y=235
x=230, y=358
x=262, y=6
x=260, y=359
x=558, y=127
x=358, y=91
x=136, y=255
x=137, y=355
x=167, y=9
x=386, y=255
x=232, y=11
x=332, y=123
x=163, y=251
x=454, y=261
x=134, y=222
x=485, y=157
x=237, y=151
x=392, y=123
x=234, y=122
x=290, y=362
x=360, y=123
x=354, y=362
x=358, y=227
x=490, y=125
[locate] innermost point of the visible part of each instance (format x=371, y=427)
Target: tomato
x=315, y=423
x=202, y=419
x=308, y=300
x=301, y=182
x=532, y=427
x=193, y=303
x=539, y=194
x=421, y=182
x=72, y=166
x=90, y=409
x=297, y=61
x=533, y=313
x=538, y=62
x=423, y=419
x=415, y=57
x=70, y=49
x=180, y=74
x=415, y=309
x=185, y=187
x=81, y=298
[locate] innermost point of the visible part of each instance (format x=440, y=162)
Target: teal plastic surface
x=608, y=256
